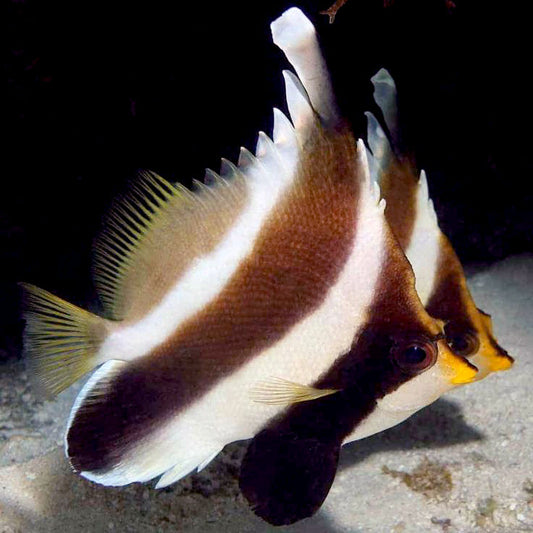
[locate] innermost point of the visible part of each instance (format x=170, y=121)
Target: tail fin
x=60, y=340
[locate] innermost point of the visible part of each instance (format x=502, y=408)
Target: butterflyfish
x=273, y=304
x=440, y=279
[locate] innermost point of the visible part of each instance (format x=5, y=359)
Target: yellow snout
x=458, y=370
x=500, y=362
x=492, y=359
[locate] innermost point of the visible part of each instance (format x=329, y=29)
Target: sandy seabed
x=464, y=464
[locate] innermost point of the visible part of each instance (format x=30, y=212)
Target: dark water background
x=98, y=90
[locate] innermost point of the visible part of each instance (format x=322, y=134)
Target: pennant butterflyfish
x=273, y=303
x=440, y=279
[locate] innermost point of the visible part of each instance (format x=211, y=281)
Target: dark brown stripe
x=290, y=465
x=448, y=301
x=297, y=258
x=398, y=186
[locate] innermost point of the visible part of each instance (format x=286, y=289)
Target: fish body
x=440, y=279
x=275, y=304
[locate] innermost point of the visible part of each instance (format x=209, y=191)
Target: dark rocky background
x=97, y=90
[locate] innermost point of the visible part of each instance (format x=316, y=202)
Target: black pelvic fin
x=286, y=478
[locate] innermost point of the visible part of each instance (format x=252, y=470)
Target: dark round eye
x=415, y=357
x=462, y=341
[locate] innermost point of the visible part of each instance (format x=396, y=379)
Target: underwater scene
x=266, y=267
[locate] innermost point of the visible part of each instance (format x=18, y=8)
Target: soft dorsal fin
x=150, y=235
x=155, y=232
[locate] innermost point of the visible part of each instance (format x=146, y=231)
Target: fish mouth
x=458, y=369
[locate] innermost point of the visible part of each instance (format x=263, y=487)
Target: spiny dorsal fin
x=294, y=33
x=386, y=97
x=279, y=391
x=425, y=199
x=300, y=108
x=379, y=147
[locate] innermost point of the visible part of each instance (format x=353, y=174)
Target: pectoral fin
x=279, y=391
x=285, y=477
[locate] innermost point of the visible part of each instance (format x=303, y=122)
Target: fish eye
x=415, y=356
x=462, y=341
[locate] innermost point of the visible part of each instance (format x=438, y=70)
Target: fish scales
x=297, y=256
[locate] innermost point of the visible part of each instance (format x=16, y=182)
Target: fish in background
x=273, y=304
x=440, y=279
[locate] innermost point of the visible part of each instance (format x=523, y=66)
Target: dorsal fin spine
x=270, y=156
x=378, y=144
x=228, y=170
x=200, y=187
x=295, y=35
x=385, y=95
x=282, y=128
x=260, y=147
x=284, y=138
x=423, y=184
x=246, y=158
x=300, y=108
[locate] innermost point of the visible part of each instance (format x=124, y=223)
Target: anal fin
x=130, y=423
x=208, y=459
x=196, y=462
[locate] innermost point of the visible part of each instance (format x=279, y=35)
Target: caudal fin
x=60, y=340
